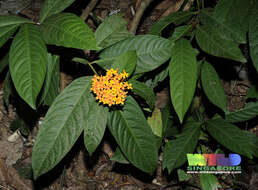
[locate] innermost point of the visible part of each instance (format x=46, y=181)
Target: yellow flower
x=111, y=88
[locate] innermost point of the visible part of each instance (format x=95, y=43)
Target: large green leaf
x=209, y=182
x=68, y=30
x=224, y=30
x=183, y=76
x=235, y=14
x=126, y=61
x=28, y=62
x=152, y=51
x=95, y=127
x=175, y=150
x=144, y=91
x=180, y=32
x=175, y=18
x=134, y=136
x=212, y=86
x=119, y=157
x=8, y=25
x=112, y=30
x=63, y=124
x=210, y=42
x=248, y=112
x=51, y=86
x=11, y=20
x=230, y=136
x=253, y=36
x=50, y=7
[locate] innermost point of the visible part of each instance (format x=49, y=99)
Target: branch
x=137, y=18
x=88, y=9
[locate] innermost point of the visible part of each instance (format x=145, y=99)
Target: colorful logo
x=213, y=163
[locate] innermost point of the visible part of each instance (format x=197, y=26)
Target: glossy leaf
x=210, y=42
x=11, y=20
x=134, y=136
x=155, y=122
x=248, y=112
x=152, y=51
x=209, y=182
x=230, y=136
x=50, y=7
x=144, y=91
x=51, y=86
x=28, y=62
x=62, y=125
x=223, y=29
x=112, y=30
x=95, y=127
x=119, y=157
x=183, y=76
x=253, y=36
x=175, y=150
x=126, y=61
x=212, y=86
x=8, y=25
x=180, y=32
x=68, y=30
x=175, y=18
x=234, y=13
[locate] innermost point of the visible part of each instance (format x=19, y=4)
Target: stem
x=136, y=20
x=92, y=68
x=88, y=9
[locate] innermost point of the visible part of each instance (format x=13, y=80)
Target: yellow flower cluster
x=111, y=88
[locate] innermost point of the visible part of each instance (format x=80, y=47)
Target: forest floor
x=78, y=171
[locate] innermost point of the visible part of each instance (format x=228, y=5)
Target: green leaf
x=253, y=36
x=119, y=157
x=159, y=77
x=209, y=182
x=95, y=127
x=28, y=62
x=183, y=76
x=50, y=7
x=126, y=61
x=180, y=32
x=176, y=18
x=51, y=86
x=63, y=124
x=230, y=136
x=175, y=150
x=4, y=62
x=68, y=30
x=144, y=91
x=134, y=136
x=8, y=25
x=210, y=42
x=182, y=176
x=251, y=93
x=212, y=86
x=235, y=14
x=11, y=20
x=224, y=30
x=152, y=51
x=155, y=122
x=167, y=120
x=80, y=60
x=248, y=112
x=112, y=30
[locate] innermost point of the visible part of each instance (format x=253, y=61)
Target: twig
x=136, y=20
x=86, y=12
